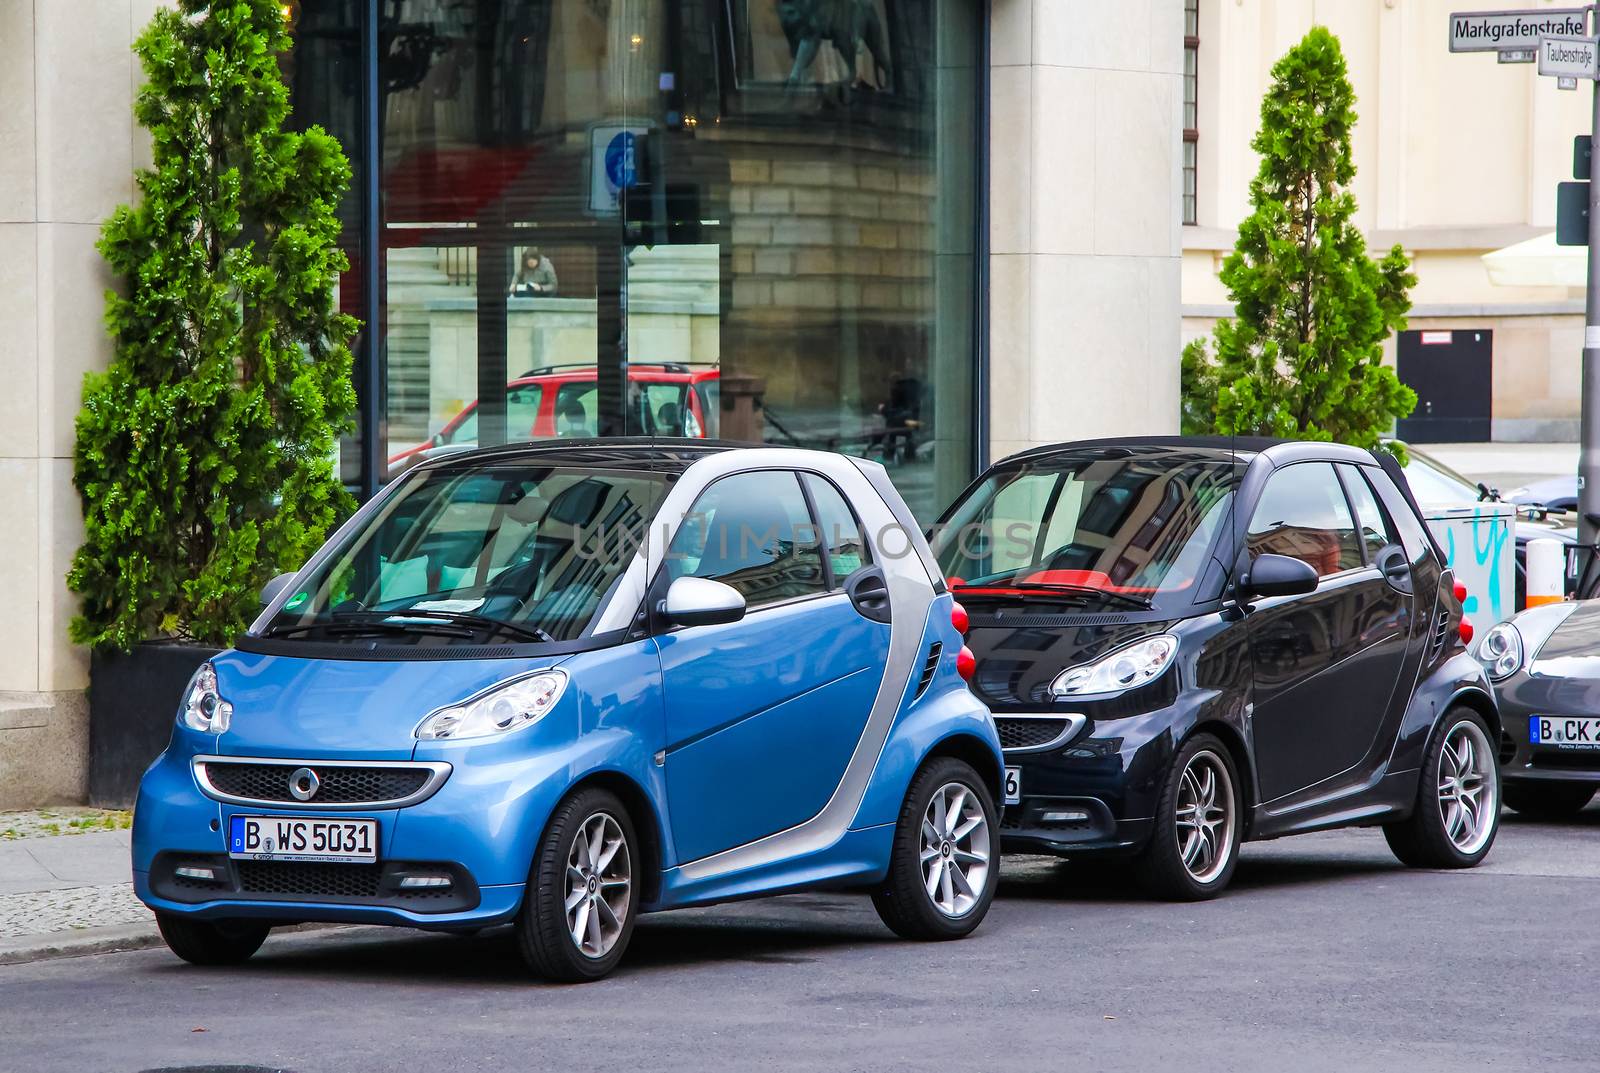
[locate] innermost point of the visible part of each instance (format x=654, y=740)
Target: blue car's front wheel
x=207, y=942
x=945, y=863
x=578, y=913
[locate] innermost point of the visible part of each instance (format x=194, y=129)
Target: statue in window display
x=846, y=24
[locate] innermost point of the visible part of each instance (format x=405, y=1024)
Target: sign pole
x=1589, y=422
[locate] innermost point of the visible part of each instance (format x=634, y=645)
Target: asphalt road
x=1327, y=955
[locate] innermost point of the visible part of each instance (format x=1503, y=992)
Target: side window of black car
x=1376, y=533
x=1303, y=514
x=1412, y=536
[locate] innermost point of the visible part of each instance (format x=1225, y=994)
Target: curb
x=111, y=939
x=80, y=942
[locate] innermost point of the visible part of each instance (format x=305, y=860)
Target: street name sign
x=1569, y=57
x=1498, y=31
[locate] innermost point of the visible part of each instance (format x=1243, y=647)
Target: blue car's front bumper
x=479, y=827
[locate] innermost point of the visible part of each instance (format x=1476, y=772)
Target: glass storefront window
x=746, y=219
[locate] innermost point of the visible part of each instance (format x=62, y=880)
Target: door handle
x=868, y=590
x=1395, y=568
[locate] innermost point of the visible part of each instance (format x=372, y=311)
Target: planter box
x=133, y=700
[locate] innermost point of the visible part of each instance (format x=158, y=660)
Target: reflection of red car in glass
x=664, y=399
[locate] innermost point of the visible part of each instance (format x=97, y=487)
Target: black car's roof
x=656, y=452
x=1242, y=448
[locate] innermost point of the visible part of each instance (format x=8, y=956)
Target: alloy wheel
x=1205, y=816
x=599, y=885
x=1469, y=798
x=955, y=849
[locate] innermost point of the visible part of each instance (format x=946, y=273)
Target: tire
x=1457, y=812
x=605, y=882
x=211, y=942
x=1183, y=862
x=1554, y=801
x=940, y=887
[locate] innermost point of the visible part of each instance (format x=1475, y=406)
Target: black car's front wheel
x=1195, y=843
x=1458, y=802
x=1552, y=801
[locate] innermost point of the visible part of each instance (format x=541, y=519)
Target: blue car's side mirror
x=698, y=601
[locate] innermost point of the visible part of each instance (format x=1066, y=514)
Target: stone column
x=1086, y=117
x=67, y=77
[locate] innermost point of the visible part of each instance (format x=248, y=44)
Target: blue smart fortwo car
x=560, y=686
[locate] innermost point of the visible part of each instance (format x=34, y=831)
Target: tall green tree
x=204, y=454
x=1302, y=356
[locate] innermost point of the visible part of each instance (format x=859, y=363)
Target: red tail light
x=955, y=582
x=1461, y=593
x=1465, y=630
x=966, y=664
x=958, y=618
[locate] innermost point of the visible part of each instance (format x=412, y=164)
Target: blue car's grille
x=314, y=882
x=337, y=784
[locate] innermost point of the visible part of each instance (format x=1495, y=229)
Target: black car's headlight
x=1126, y=668
x=1501, y=651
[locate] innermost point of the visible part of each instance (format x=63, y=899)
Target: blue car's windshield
x=503, y=552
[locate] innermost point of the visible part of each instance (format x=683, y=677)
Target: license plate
x=1013, y=786
x=274, y=838
x=1569, y=732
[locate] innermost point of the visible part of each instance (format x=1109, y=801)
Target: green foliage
x=204, y=453
x=1302, y=357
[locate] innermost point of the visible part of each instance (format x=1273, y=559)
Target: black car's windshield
x=496, y=553
x=1113, y=526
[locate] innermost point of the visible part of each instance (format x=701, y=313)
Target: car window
x=1436, y=488
x=466, y=432
x=751, y=531
x=522, y=411
x=663, y=407
x=839, y=530
x=577, y=404
x=1376, y=533
x=1303, y=514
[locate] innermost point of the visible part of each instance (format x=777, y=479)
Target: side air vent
x=930, y=666
x=1441, y=632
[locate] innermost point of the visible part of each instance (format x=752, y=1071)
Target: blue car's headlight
x=203, y=707
x=508, y=706
x=1134, y=665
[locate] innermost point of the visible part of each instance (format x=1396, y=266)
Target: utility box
x=1480, y=543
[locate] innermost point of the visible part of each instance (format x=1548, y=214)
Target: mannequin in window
x=536, y=278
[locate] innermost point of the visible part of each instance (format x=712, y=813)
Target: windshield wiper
x=406, y=620
x=345, y=627
x=477, y=622
x=1084, y=590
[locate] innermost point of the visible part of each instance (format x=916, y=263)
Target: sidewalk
x=62, y=895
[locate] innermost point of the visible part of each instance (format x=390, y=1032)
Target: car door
x=1325, y=664
x=762, y=714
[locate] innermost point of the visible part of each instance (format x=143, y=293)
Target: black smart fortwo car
x=1189, y=643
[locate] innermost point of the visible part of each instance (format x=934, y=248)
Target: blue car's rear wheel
x=211, y=942
x=945, y=863
x=582, y=898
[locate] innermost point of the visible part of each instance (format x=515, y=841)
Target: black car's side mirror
x=270, y=591
x=1277, y=575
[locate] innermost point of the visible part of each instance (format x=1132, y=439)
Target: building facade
x=1457, y=160
x=933, y=232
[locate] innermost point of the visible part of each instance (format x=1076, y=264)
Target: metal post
x=1589, y=423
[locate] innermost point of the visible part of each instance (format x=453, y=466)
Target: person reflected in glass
x=902, y=418
x=571, y=419
x=536, y=278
